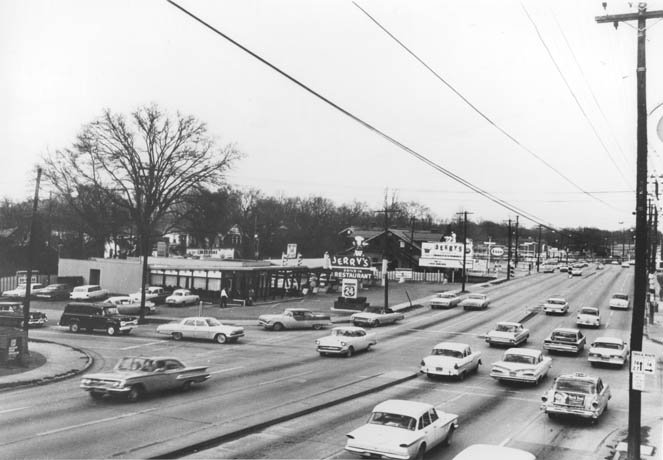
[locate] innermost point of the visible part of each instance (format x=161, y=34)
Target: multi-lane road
x=272, y=396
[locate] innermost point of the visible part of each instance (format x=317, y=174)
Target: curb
x=51, y=378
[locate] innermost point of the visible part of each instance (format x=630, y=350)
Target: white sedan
x=588, y=316
x=198, y=327
x=522, y=365
x=399, y=429
x=128, y=306
x=451, y=359
x=445, y=300
x=475, y=302
x=608, y=350
x=507, y=333
x=182, y=297
x=345, y=341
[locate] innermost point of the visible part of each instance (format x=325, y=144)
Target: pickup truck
x=375, y=316
x=294, y=318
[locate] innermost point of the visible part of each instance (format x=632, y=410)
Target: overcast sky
x=555, y=135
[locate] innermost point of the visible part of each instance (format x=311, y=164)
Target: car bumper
x=588, y=323
x=440, y=371
x=606, y=360
x=514, y=378
x=619, y=307
x=332, y=350
x=561, y=348
x=559, y=311
x=441, y=305
x=500, y=341
x=105, y=390
x=575, y=411
x=378, y=453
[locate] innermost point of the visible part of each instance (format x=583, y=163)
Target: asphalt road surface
x=272, y=396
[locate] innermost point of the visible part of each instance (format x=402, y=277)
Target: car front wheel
x=74, y=327
x=220, y=338
x=135, y=393
x=177, y=336
x=350, y=352
x=111, y=330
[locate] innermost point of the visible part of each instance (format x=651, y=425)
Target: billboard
x=446, y=254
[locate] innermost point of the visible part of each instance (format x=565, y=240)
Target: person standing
x=224, y=298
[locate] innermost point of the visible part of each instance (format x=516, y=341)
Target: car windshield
x=446, y=296
x=395, y=420
x=447, y=352
x=589, y=311
x=133, y=364
x=109, y=311
x=610, y=345
x=575, y=386
x=477, y=296
x=620, y=297
x=505, y=328
x=514, y=358
x=212, y=322
x=556, y=301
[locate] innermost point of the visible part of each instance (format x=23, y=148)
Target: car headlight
x=85, y=381
x=119, y=384
x=317, y=342
x=343, y=344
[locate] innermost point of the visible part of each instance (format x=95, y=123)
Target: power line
x=575, y=98
x=479, y=112
x=400, y=145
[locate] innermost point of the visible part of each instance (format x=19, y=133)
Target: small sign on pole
x=643, y=363
x=638, y=381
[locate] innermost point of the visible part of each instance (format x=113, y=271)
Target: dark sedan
x=53, y=292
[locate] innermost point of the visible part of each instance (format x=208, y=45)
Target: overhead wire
x=511, y=207
x=479, y=112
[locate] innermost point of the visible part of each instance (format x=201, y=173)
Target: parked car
x=556, y=304
x=565, y=340
x=490, y=452
x=91, y=316
x=577, y=395
x=619, y=301
x=20, y=290
x=12, y=314
x=155, y=294
x=609, y=351
x=294, y=318
x=475, y=302
x=127, y=306
x=88, y=292
x=346, y=340
x=197, y=327
x=507, y=333
x=132, y=377
x=182, y=297
x=446, y=300
x=376, y=316
x=451, y=359
x=522, y=365
x=588, y=316
x=399, y=429
x=57, y=291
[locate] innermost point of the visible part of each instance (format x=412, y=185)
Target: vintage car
x=490, y=452
x=564, y=268
x=133, y=377
x=205, y=328
x=58, y=291
x=556, y=304
x=549, y=268
x=619, y=301
x=578, y=395
x=182, y=297
x=376, y=316
x=399, y=429
x=576, y=271
x=88, y=292
x=127, y=306
x=451, y=359
x=90, y=316
x=19, y=291
x=11, y=314
x=155, y=294
x=346, y=340
x=294, y=318
x=608, y=350
x=588, y=316
x=507, y=333
x=446, y=300
x=522, y=365
x=565, y=340
x=475, y=302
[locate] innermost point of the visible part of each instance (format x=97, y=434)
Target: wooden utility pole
x=515, y=262
x=640, y=287
x=538, y=251
x=464, y=214
x=28, y=280
x=385, y=259
x=508, y=254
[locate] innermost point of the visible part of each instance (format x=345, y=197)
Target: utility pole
x=538, y=251
x=640, y=287
x=412, y=219
x=515, y=262
x=28, y=281
x=385, y=260
x=464, y=214
x=508, y=254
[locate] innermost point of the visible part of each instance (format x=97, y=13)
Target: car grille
x=328, y=348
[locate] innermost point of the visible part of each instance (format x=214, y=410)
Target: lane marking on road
x=227, y=370
x=284, y=378
x=14, y=410
x=444, y=331
x=527, y=423
x=607, y=323
x=142, y=345
x=94, y=422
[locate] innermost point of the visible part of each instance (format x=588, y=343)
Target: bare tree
x=146, y=163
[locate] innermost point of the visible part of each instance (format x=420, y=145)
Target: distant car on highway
x=619, y=301
x=376, y=316
x=588, y=316
x=507, y=333
x=475, y=302
x=577, y=395
x=88, y=292
x=490, y=452
x=576, y=271
x=557, y=305
x=182, y=297
x=446, y=300
x=346, y=341
x=608, y=351
x=522, y=365
x=294, y=318
x=197, y=327
x=565, y=340
x=399, y=429
x=59, y=291
x=133, y=377
x=626, y=265
x=451, y=359
x=549, y=268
